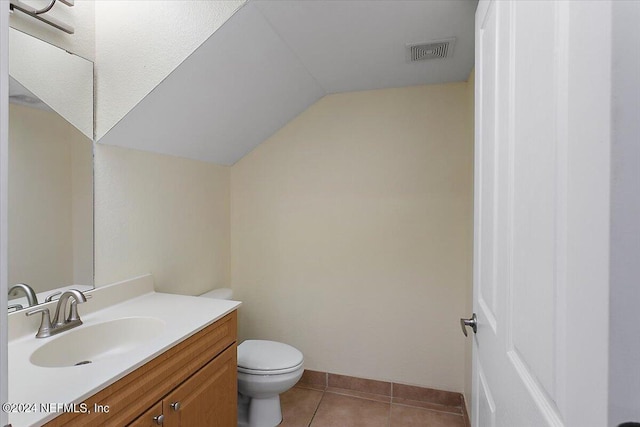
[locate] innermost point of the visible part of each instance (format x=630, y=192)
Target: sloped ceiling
x=273, y=59
x=138, y=43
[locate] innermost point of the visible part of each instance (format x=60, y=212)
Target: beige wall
x=351, y=234
x=162, y=215
x=50, y=201
x=347, y=234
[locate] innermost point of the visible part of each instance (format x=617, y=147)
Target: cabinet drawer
x=137, y=392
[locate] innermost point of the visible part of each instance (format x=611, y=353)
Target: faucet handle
x=73, y=312
x=50, y=298
x=44, y=311
x=14, y=307
x=45, y=325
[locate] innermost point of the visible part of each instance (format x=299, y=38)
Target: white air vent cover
x=430, y=50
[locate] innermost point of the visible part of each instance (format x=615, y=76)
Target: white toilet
x=265, y=370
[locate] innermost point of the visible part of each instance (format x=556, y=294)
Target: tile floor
x=306, y=405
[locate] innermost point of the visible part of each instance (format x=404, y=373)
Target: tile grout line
x=324, y=392
x=389, y=413
x=442, y=411
x=359, y=394
x=315, y=411
x=390, y=403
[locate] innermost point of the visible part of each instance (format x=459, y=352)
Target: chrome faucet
x=28, y=291
x=60, y=322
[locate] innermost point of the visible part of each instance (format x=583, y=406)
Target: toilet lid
x=268, y=357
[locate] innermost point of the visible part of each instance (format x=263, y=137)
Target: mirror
x=50, y=182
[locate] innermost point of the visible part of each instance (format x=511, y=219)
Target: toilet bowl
x=266, y=369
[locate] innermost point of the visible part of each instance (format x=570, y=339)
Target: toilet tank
x=220, y=293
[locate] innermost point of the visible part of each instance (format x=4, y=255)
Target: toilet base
x=256, y=412
x=243, y=411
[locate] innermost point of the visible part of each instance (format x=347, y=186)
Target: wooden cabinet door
x=147, y=419
x=208, y=398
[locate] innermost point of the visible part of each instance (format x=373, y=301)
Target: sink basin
x=94, y=343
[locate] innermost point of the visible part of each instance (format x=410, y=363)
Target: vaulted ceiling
x=272, y=59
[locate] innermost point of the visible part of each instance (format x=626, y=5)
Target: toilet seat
x=261, y=357
x=269, y=372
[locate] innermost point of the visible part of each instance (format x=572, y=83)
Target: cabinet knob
x=159, y=419
x=175, y=406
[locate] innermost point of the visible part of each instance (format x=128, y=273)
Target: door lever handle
x=472, y=322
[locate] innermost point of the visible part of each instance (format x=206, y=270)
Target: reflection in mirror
x=50, y=171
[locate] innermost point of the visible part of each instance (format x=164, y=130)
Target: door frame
x=4, y=147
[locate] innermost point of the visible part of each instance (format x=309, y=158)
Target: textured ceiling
x=273, y=59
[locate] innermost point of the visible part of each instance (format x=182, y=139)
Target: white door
x=541, y=213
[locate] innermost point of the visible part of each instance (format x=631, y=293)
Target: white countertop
x=31, y=384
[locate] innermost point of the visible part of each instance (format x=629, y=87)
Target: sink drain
x=84, y=362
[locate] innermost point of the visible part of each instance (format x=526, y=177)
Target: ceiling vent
x=430, y=50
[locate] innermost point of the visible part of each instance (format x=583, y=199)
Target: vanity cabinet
x=199, y=373
x=208, y=398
